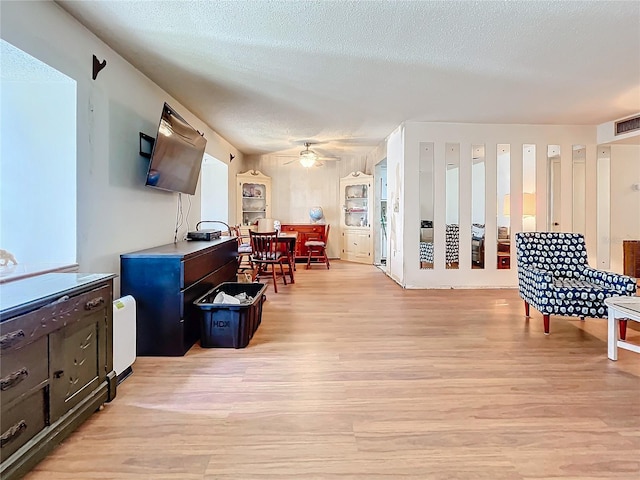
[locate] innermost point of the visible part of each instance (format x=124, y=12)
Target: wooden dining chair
x=267, y=253
x=244, y=250
x=317, y=247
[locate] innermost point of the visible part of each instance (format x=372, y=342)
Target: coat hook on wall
x=97, y=66
x=231, y=157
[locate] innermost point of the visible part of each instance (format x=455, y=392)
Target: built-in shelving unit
x=254, y=198
x=355, y=223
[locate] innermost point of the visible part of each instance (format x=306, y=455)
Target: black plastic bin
x=228, y=325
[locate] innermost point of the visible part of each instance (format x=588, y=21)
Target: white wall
x=625, y=200
x=116, y=213
x=396, y=201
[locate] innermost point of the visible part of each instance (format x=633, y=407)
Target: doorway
x=214, y=199
x=380, y=237
x=554, y=189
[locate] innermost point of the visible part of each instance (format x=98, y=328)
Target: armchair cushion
x=578, y=289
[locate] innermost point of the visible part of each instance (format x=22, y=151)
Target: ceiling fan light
x=308, y=159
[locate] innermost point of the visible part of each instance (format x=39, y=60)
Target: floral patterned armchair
x=554, y=277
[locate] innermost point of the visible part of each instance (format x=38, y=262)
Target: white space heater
x=124, y=336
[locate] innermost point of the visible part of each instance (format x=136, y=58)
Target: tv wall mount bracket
x=149, y=141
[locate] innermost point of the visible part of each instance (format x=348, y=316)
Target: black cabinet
x=56, y=362
x=165, y=281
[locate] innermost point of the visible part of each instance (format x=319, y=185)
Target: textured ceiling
x=269, y=75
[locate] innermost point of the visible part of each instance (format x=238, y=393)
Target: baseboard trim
x=124, y=374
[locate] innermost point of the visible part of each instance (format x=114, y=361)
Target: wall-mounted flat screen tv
x=177, y=154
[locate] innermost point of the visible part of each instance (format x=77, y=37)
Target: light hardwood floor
x=351, y=377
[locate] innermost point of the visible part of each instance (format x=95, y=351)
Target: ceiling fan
x=309, y=158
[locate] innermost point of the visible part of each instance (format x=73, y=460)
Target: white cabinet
x=355, y=221
x=254, y=197
x=356, y=246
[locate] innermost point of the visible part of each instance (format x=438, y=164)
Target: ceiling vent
x=627, y=126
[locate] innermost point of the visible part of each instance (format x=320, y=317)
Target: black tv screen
x=177, y=154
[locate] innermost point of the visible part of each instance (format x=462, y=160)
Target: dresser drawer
x=202, y=265
x=22, y=369
x=21, y=422
x=27, y=328
x=304, y=228
x=77, y=365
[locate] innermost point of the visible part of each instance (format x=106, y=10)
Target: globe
x=316, y=214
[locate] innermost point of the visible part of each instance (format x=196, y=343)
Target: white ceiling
x=270, y=75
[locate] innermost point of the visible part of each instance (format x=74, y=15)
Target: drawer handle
x=13, y=433
x=62, y=299
x=94, y=303
x=13, y=379
x=10, y=339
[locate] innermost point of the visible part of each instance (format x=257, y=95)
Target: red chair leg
x=526, y=309
x=623, y=329
x=326, y=258
x=309, y=258
x=546, y=324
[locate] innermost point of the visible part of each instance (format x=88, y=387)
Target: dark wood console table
x=165, y=281
x=631, y=253
x=56, y=362
x=305, y=231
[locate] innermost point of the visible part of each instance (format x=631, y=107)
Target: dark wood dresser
x=56, y=362
x=631, y=256
x=165, y=281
